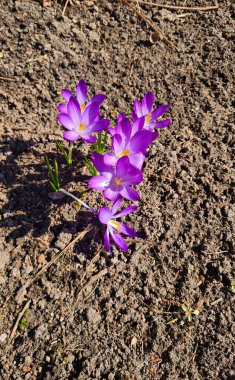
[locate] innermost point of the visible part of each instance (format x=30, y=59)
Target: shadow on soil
x=25, y=176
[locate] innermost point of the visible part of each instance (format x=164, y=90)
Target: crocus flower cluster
x=120, y=168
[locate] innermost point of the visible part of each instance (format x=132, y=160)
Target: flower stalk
x=78, y=200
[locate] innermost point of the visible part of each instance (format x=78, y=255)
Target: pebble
x=3, y=337
x=93, y=36
x=41, y=258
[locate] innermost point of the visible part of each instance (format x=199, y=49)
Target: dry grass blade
x=176, y=7
x=65, y=6
x=148, y=22
x=93, y=279
x=9, y=79
x=26, y=306
x=78, y=238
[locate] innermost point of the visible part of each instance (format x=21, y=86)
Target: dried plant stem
x=54, y=259
x=93, y=279
x=65, y=6
x=176, y=7
x=151, y=24
x=9, y=79
x=78, y=200
x=26, y=306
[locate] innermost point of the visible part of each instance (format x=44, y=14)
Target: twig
x=79, y=237
x=217, y=301
x=67, y=1
x=148, y=22
x=9, y=79
x=175, y=7
x=26, y=306
x=45, y=56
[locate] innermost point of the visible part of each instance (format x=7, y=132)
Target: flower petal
x=74, y=111
x=88, y=138
x=112, y=131
x=147, y=103
x=71, y=135
x=118, y=240
x=118, y=144
x=101, y=125
x=121, y=117
x=159, y=111
x=138, y=125
x=111, y=194
x=116, y=206
x=81, y=90
x=137, y=160
x=66, y=94
x=126, y=230
x=66, y=121
x=130, y=194
x=106, y=240
x=101, y=163
x=110, y=159
x=98, y=182
x=62, y=108
x=140, y=141
x=99, y=98
x=105, y=215
x=90, y=113
x=162, y=123
x=126, y=211
x=138, y=108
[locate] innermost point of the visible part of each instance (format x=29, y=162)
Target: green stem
x=78, y=200
x=70, y=160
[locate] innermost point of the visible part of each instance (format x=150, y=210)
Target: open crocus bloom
x=131, y=140
x=146, y=109
x=81, y=94
x=114, y=228
x=80, y=125
x=115, y=180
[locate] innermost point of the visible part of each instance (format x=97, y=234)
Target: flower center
x=126, y=152
x=81, y=127
x=82, y=106
x=148, y=117
x=115, y=226
x=117, y=181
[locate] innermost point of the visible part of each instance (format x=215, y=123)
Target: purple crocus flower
x=116, y=180
x=114, y=228
x=82, y=125
x=81, y=94
x=151, y=115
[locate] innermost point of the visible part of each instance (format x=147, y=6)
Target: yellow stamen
x=81, y=127
x=148, y=117
x=82, y=106
x=126, y=152
x=115, y=225
x=117, y=181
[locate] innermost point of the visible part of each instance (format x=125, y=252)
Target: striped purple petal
x=98, y=182
x=147, y=103
x=116, y=206
x=126, y=211
x=162, y=123
x=111, y=195
x=71, y=135
x=130, y=194
x=118, y=240
x=126, y=230
x=66, y=94
x=88, y=138
x=74, y=111
x=158, y=112
x=104, y=215
x=107, y=240
x=138, y=108
x=66, y=121
x=81, y=90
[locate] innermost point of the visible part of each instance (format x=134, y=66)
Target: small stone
x=41, y=258
x=25, y=369
x=3, y=337
x=48, y=359
x=93, y=36
x=93, y=316
x=47, y=47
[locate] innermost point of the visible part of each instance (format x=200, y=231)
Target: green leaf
x=90, y=167
x=184, y=308
x=50, y=170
